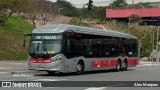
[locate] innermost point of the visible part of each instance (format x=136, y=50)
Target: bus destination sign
x=47, y=37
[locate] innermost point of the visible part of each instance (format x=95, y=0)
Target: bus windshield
x=44, y=49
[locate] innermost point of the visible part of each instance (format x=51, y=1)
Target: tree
x=96, y=13
x=40, y=9
x=68, y=8
x=99, y=13
x=8, y=8
x=118, y=4
x=48, y=11
x=31, y=10
x=141, y=5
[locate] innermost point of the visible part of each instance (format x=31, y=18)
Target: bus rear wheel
x=80, y=68
x=51, y=72
x=125, y=65
x=118, y=66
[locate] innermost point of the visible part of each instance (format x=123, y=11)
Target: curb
x=148, y=62
x=23, y=72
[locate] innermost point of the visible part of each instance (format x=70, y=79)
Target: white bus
x=68, y=48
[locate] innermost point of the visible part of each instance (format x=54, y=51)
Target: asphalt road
x=17, y=71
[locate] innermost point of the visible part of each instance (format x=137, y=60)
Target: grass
x=11, y=39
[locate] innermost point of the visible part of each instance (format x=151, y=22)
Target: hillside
x=11, y=39
x=11, y=36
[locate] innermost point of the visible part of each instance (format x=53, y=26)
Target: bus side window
x=112, y=47
x=87, y=47
x=68, y=45
x=134, y=48
x=128, y=47
x=69, y=48
x=107, y=46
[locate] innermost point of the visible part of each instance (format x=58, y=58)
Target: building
x=147, y=14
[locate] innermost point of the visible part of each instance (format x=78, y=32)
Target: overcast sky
x=85, y=1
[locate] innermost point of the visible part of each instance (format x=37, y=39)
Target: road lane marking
x=5, y=68
x=50, y=80
x=116, y=85
x=151, y=68
x=6, y=76
x=99, y=88
x=19, y=63
x=103, y=88
x=48, y=88
x=22, y=72
x=9, y=80
x=31, y=78
x=149, y=65
x=4, y=72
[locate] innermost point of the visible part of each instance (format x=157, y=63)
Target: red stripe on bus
x=104, y=63
x=40, y=61
x=108, y=63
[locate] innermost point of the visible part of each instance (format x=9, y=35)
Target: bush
x=74, y=21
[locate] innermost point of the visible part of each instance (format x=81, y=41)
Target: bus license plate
x=40, y=68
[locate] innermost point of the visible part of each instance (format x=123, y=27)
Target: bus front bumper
x=54, y=66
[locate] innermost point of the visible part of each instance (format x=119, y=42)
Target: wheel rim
x=79, y=67
x=125, y=65
x=118, y=66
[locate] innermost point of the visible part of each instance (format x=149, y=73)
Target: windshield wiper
x=45, y=49
x=35, y=49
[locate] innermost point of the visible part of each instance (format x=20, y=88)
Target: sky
x=86, y=1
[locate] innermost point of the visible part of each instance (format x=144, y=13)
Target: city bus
x=68, y=48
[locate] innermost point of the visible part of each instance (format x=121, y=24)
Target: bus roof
x=59, y=28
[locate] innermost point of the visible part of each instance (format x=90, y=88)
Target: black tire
x=125, y=65
x=80, y=68
x=118, y=66
x=51, y=72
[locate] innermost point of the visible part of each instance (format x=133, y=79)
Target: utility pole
x=153, y=34
x=132, y=2
x=80, y=19
x=111, y=9
x=152, y=53
x=90, y=4
x=111, y=4
x=157, y=57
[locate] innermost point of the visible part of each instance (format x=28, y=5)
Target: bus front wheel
x=80, y=67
